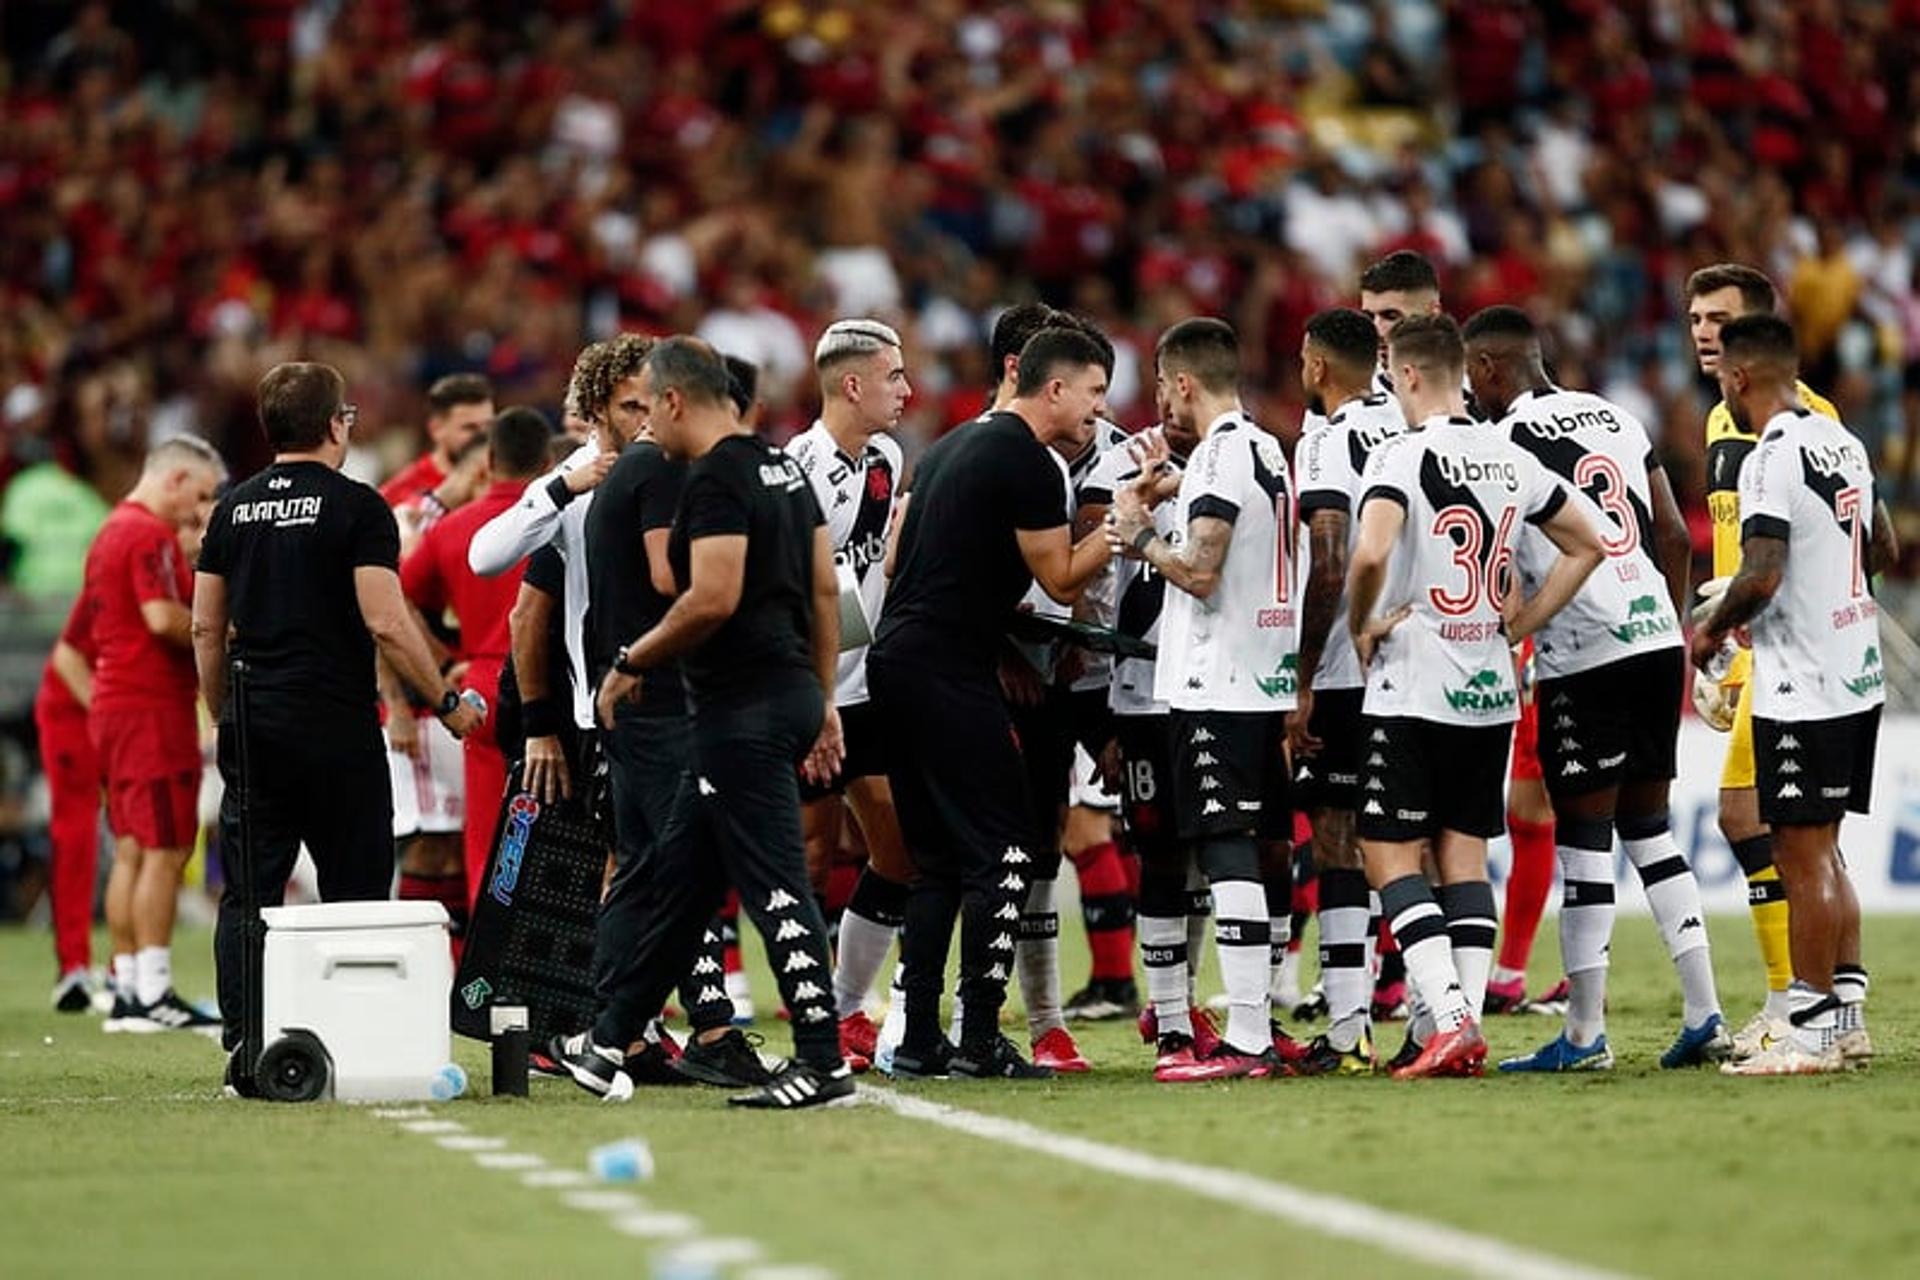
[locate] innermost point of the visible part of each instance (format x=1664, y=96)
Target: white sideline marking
x=654, y=1226
x=603, y=1201
x=400, y=1113
x=1422, y=1241
x=555, y=1178
x=471, y=1142
x=433, y=1126
x=508, y=1160
x=719, y=1251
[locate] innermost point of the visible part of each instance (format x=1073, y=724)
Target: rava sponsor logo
x=521, y=814
x=1284, y=680
x=1472, y=471
x=1644, y=621
x=279, y=512
x=1482, y=692
x=1871, y=677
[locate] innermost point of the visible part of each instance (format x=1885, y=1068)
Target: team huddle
x=1253, y=652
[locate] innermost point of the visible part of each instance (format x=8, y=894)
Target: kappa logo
x=1374, y=807
x=797, y=961
x=807, y=991
x=1790, y=791
x=1015, y=856
x=1789, y=767
x=1569, y=744
x=1563, y=722
x=1012, y=883
x=707, y=788
x=780, y=900
x=789, y=930
x=1008, y=912
x=1376, y=761
x=711, y=994
x=1200, y=736
x=1001, y=942
x=1306, y=773
x=1212, y=807
x=1374, y=784
x=1691, y=922
x=1379, y=735
x=707, y=964
x=1209, y=783
x=814, y=1013
x=1789, y=743
x=1572, y=767
x=997, y=974
x=1204, y=760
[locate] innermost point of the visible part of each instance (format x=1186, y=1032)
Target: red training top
x=422, y=476
x=436, y=577
x=78, y=632
x=135, y=558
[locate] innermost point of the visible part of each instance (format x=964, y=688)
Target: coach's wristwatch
x=620, y=662
x=449, y=703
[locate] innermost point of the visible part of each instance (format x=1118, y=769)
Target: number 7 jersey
x=1466, y=491
x=1816, y=645
x=1234, y=651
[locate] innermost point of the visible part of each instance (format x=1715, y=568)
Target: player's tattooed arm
x=1673, y=545
x=1194, y=568
x=1763, y=563
x=1886, y=543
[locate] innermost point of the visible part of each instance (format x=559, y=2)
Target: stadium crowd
x=414, y=189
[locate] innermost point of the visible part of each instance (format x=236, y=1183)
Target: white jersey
x=1332, y=457
x=1234, y=651
x=1466, y=490
x=1092, y=477
x=1602, y=454
x=1816, y=646
x=1139, y=597
x=858, y=496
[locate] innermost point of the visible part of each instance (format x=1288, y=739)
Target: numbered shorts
x=429, y=794
x=1813, y=772
x=1616, y=723
x=1230, y=774
x=1420, y=778
x=1330, y=777
x=1146, y=778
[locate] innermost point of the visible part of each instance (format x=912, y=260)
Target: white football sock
x=1163, y=954
x=153, y=973
x=1586, y=931
x=1674, y=895
x=863, y=950
x=1037, y=959
x=1240, y=939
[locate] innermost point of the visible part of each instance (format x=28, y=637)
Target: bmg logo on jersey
x=1472, y=471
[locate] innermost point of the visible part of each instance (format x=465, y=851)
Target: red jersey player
x=73, y=792
x=143, y=723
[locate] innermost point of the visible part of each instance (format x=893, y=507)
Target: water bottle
x=507, y=1023
x=630, y=1160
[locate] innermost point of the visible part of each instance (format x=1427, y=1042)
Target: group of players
x=1236, y=640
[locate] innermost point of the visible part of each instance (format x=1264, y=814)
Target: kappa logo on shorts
x=1204, y=760
x=797, y=961
x=789, y=930
x=1015, y=856
x=1791, y=791
x=1379, y=735
x=1012, y=883
x=707, y=788
x=997, y=974
x=1200, y=736
x=1572, y=767
x=1789, y=743
x=1788, y=767
x=1569, y=744
x=1212, y=807
x=780, y=900
x=1373, y=807
x=1374, y=784
x=707, y=964
x=1410, y=815
x=1008, y=912
x=1209, y=783
x=1306, y=773
x=1376, y=761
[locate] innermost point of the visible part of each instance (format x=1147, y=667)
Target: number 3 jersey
x=1601, y=452
x=1816, y=646
x=1466, y=492
x=1234, y=651
x=857, y=495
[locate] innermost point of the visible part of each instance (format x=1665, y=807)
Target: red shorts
x=1526, y=742
x=150, y=761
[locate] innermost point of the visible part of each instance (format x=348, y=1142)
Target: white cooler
x=372, y=980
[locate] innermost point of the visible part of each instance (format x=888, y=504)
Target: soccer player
x=1610, y=668
x=985, y=519
x=73, y=799
x=436, y=579
x=299, y=578
x=854, y=466
x=1431, y=609
x=1226, y=666
x=1716, y=295
x=1812, y=537
x=756, y=629
x=143, y=723
x=1338, y=359
x=426, y=765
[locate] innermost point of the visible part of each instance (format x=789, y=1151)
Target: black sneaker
x=550, y=1059
x=1103, y=1000
x=730, y=1062
x=998, y=1060
x=170, y=1013
x=74, y=992
x=1311, y=1008
x=800, y=1085
x=124, y=1011
x=596, y=1069
x=654, y=1063
x=933, y=1063
x=1409, y=1051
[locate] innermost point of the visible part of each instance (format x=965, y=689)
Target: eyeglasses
x=348, y=413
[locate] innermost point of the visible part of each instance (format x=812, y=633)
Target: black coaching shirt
x=287, y=541
x=640, y=494
x=744, y=485
x=959, y=575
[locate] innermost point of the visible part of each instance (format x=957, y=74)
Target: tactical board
x=531, y=938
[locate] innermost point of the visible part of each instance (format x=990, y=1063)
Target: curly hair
x=600, y=368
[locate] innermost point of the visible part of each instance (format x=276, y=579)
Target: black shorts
x=1419, y=778
x=959, y=783
x=1813, y=772
x=1616, y=723
x=861, y=730
x=1146, y=785
x=1093, y=721
x=1230, y=774
x=1330, y=777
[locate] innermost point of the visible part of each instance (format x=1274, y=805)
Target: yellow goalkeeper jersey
x=1727, y=450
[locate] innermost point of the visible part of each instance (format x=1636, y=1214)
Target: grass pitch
x=117, y=1156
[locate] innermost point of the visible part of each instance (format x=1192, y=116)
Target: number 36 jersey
x=1467, y=492
x=1234, y=651
x=1601, y=452
x=1816, y=646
